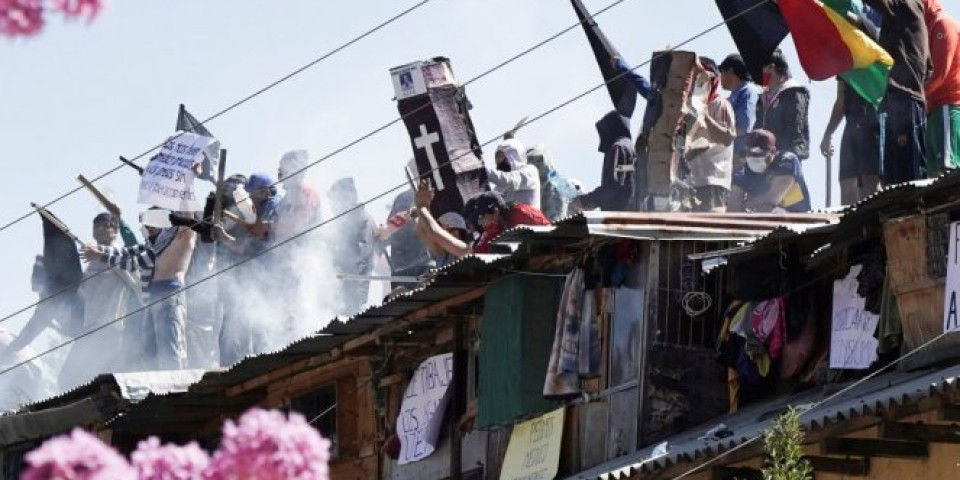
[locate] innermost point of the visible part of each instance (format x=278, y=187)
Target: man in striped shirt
x=162, y=262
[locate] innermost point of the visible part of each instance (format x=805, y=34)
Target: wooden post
x=458, y=405
x=107, y=204
x=829, y=181
x=218, y=199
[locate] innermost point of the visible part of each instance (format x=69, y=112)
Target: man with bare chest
x=162, y=262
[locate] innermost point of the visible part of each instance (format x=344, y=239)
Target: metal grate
x=938, y=235
x=679, y=276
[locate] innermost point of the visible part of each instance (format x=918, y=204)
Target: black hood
x=611, y=128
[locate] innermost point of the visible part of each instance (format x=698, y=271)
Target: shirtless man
x=162, y=263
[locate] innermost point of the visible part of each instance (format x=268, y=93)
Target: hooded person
x=783, y=108
x=709, y=152
x=514, y=178
x=300, y=207
x=355, y=247
x=617, y=190
x=942, y=89
x=553, y=203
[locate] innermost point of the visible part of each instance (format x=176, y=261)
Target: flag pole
x=55, y=222
x=829, y=181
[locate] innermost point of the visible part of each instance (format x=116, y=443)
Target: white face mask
x=757, y=164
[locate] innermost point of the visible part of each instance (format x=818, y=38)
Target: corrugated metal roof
x=682, y=226
x=873, y=396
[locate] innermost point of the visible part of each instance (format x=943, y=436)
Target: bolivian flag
x=829, y=43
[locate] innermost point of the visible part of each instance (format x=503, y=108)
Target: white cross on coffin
x=426, y=141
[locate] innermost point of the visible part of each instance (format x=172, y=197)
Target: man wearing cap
x=445, y=237
x=770, y=181
x=490, y=215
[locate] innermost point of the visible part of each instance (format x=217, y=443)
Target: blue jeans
x=164, y=332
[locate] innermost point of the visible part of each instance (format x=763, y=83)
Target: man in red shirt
x=489, y=214
x=943, y=89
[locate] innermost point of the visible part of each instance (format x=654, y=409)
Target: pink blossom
x=266, y=445
x=21, y=17
x=78, y=456
x=78, y=8
x=168, y=462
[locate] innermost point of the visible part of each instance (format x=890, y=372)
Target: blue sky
x=77, y=96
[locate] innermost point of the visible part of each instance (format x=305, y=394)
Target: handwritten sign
x=167, y=182
x=852, y=344
x=950, y=321
x=534, y=449
x=421, y=414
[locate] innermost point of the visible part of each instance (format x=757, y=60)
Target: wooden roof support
x=850, y=466
x=921, y=432
x=869, y=447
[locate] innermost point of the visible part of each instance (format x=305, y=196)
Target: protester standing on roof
x=942, y=89
x=861, y=154
x=408, y=254
x=489, y=215
x=783, y=108
x=744, y=95
x=709, y=153
x=553, y=201
x=300, y=207
x=162, y=262
x=354, y=247
x=107, y=296
x=904, y=37
x=514, y=178
x=770, y=181
x=617, y=188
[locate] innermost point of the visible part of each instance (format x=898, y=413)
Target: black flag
x=211, y=156
x=757, y=33
x=622, y=93
x=445, y=147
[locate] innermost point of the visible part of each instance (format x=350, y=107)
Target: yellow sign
x=534, y=449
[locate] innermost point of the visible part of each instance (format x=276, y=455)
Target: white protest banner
x=852, y=344
x=534, y=449
x=167, y=182
x=950, y=321
x=421, y=414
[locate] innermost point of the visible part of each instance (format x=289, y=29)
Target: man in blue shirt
x=770, y=180
x=744, y=95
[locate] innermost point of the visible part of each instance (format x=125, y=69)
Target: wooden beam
x=921, y=432
x=850, y=466
x=950, y=413
x=870, y=447
x=735, y=473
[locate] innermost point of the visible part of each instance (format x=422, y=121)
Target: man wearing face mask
x=709, y=153
x=770, y=181
x=782, y=109
x=514, y=178
x=617, y=190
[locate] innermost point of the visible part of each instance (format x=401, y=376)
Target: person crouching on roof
x=770, y=181
x=490, y=215
x=515, y=179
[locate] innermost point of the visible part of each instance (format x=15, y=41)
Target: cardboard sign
x=421, y=414
x=852, y=344
x=534, y=449
x=167, y=182
x=951, y=322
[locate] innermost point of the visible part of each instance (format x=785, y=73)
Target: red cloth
x=520, y=214
x=943, y=87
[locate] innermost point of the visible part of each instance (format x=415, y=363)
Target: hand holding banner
x=167, y=182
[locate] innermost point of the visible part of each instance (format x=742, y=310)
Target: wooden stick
x=136, y=167
x=56, y=223
x=218, y=200
x=413, y=185
x=110, y=206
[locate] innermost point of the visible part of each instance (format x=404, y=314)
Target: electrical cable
x=236, y=104
x=379, y=196
x=352, y=143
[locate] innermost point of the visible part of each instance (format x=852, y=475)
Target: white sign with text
x=950, y=321
x=167, y=181
x=421, y=414
x=852, y=344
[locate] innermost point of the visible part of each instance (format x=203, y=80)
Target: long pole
x=829, y=181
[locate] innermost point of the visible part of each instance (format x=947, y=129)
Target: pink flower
x=266, y=445
x=21, y=17
x=168, y=462
x=78, y=8
x=78, y=456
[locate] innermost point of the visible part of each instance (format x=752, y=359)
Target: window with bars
x=690, y=302
x=320, y=408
